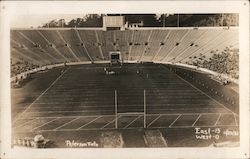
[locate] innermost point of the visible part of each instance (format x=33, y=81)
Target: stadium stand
x=22, y=66
x=166, y=45
x=226, y=62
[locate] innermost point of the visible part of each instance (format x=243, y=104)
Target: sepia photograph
x=123, y=79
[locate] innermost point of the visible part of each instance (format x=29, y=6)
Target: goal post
x=116, y=114
x=144, y=106
x=143, y=113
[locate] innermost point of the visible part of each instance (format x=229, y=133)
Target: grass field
x=82, y=98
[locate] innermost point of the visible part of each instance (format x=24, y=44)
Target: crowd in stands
x=21, y=66
x=226, y=62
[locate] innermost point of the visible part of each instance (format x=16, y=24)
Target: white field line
x=68, y=111
x=196, y=120
x=61, y=107
x=110, y=122
x=153, y=121
x=217, y=120
x=30, y=121
x=132, y=121
x=44, y=124
x=73, y=130
x=68, y=103
x=202, y=126
x=88, y=123
x=206, y=95
x=80, y=116
x=175, y=120
x=187, y=114
x=211, y=126
x=40, y=95
x=98, y=116
x=66, y=123
x=130, y=115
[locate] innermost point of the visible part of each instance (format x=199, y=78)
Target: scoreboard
x=114, y=22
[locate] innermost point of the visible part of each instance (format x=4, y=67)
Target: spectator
x=226, y=62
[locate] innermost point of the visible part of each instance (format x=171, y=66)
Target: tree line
x=153, y=20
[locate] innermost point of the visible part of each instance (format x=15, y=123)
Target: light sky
x=32, y=20
x=24, y=21
x=27, y=13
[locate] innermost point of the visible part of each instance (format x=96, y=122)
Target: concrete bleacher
x=213, y=40
x=177, y=45
x=70, y=37
x=55, y=38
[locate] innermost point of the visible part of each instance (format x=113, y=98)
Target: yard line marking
x=175, y=120
x=110, y=122
x=202, y=126
x=40, y=95
x=68, y=111
x=44, y=124
x=235, y=120
x=131, y=115
x=89, y=123
x=132, y=121
x=87, y=106
x=206, y=94
x=196, y=119
x=211, y=126
x=66, y=123
x=72, y=129
x=194, y=113
x=154, y=120
x=49, y=112
x=217, y=120
x=30, y=121
x=59, y=117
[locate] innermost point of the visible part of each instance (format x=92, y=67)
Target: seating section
x=21, y=66
x=177, y=45
x=226, y=62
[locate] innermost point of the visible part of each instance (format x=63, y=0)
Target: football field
x=137, y=96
